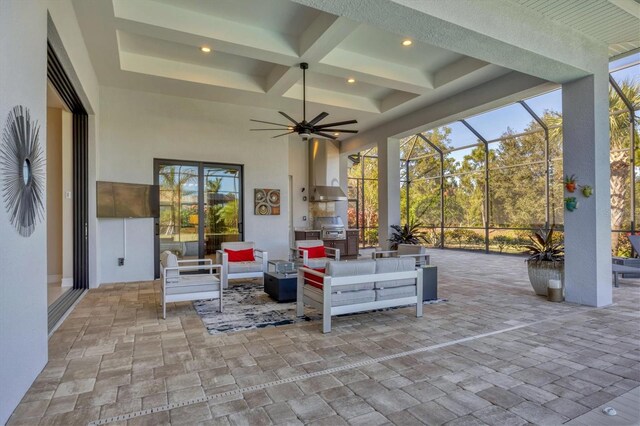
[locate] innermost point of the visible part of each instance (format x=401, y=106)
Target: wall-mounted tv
x=127, y=200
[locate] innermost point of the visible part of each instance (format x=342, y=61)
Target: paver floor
x=495, y=354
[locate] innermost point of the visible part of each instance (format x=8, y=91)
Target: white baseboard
x=67, y=282
x=52, y=279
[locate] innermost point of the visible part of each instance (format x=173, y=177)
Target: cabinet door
x=340, y=245
x=313, y=236
x=352, y=243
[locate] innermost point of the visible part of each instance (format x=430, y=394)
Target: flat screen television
x=127, y=200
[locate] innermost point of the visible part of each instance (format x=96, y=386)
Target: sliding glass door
x=200, y=208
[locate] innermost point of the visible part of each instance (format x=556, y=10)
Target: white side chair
x=176, y=287
x=406, y=250
x=302, y=256
x=240, y=270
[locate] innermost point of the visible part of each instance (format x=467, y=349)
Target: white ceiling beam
x=320, y=38
x=333, y=98
x=159, y=67
x=495, y=31
x=460, y=68
x=630, y=6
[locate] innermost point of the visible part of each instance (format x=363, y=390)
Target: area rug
x=247, y=307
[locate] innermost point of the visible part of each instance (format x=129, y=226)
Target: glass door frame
x=201, y=165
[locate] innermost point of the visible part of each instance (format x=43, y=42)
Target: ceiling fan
x=306, y=128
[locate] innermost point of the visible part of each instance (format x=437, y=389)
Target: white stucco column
x=586, y=154
x=388, y=188
x=342, y=206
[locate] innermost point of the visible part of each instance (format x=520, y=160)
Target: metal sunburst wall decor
x=23, y=170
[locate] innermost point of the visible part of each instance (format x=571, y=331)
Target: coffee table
x=281, y=287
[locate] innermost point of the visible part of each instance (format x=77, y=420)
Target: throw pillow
x=317, y=252
x=240, y=255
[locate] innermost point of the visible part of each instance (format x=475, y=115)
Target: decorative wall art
x=267, y=201
x=23, y=171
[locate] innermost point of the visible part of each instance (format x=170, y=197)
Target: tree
x=172, y=181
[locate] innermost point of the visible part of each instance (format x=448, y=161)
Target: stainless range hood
x=324, y=171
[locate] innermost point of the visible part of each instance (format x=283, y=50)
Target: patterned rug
x=247, y=307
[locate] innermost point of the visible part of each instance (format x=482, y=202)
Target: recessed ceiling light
x=205, y=49
x=290, y=127
x=351, y=80
x=407, y=42
x=336, y=134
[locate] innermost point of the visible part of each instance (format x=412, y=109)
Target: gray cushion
x=395, y=264
x=396, y=292
x=342, y=298
x=320, y=262
x=169, y=260
x=237, y=245
x=337, y=269
x=194, y=284
x=309, y=243
x=244, y=267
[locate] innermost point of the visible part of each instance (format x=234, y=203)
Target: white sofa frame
x=332, y=283
x=257, y=253
x=176, y=282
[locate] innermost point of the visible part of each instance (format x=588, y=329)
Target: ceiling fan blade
x=338, y=123
x=324, y=135
x=277, y=136
x=318, y=118
x=339, y=130
x=279, y=130
x=284, y=114
x=269, y=122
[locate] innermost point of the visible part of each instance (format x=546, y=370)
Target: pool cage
x=486, y=182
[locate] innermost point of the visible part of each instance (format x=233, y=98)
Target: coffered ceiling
x=256, y=47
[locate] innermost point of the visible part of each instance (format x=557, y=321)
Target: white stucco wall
x=136, y=127
x=23, y=261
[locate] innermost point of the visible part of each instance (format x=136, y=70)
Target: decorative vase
x=587, y=191
x=571, y=204
x=541, y=272
x=571, y=186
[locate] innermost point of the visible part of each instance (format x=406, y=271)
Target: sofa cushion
x=338, y=269
x=395, y=292
x=395, y=264
x=343, y=298
x=245, y=255
x=244, y=267
x=320, y=263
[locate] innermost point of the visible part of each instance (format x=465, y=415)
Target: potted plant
x=545, y=261
x=408, y=234
x=570, y=183
x=587, y=191
x=571, y=203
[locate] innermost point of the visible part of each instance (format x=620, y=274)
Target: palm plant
x=410, y=233
x=543, y=248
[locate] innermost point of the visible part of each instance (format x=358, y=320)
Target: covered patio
x=493, y=353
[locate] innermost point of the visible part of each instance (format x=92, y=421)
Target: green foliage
x=570, y=179
x=464, y=238
x=410, y=233
x=502, y=242
x=543, y=248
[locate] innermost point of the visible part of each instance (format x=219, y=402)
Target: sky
x=493, y=124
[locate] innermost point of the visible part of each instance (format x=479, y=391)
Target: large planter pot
x=541, y=272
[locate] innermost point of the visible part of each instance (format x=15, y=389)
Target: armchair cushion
x=194, y=284
x=244, y=267
x=343, y=298
x=169, y=260
x=245, y=255
x=309, y=243
x=395, y=292
x=395, y=264
x=319, y=263
x=238, y=245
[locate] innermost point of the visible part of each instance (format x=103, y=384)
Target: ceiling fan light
x=336, y=133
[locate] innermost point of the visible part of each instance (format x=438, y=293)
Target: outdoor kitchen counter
x=348, y=247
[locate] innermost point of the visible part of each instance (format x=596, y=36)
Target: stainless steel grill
x=331, y=228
